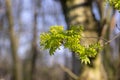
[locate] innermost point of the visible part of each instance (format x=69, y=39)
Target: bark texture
x=79, y=12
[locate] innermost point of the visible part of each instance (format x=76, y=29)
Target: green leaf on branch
x=70, y=39
x=115, y=4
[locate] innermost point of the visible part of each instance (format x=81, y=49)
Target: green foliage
x=70, y=39
x=115, y=4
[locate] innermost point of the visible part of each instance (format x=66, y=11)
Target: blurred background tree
x=22, y=21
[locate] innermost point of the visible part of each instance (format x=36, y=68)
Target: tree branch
x=106, y=41
x=113, y=38
x=69, y=72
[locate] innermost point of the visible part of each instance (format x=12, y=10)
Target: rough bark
x=79, y=12
x=13, y=40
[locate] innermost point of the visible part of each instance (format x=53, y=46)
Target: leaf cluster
x=115, y=4
x=70, y=39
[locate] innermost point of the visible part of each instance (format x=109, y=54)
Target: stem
x=112, y=38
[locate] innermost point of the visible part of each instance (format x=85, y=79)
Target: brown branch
x=112, y=38
x=106, y=41
x=69, y=72
x=97, y=38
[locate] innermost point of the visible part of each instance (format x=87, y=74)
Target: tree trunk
x=79, y=12
x=34, y=48
x=13, y=39
x=31, y=59
x=118, y=67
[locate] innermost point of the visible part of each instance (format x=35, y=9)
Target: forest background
x=22, y=22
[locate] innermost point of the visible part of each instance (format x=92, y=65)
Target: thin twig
x=97, y=38
x=113, y=38
x=69, y=72
x=106, y=41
